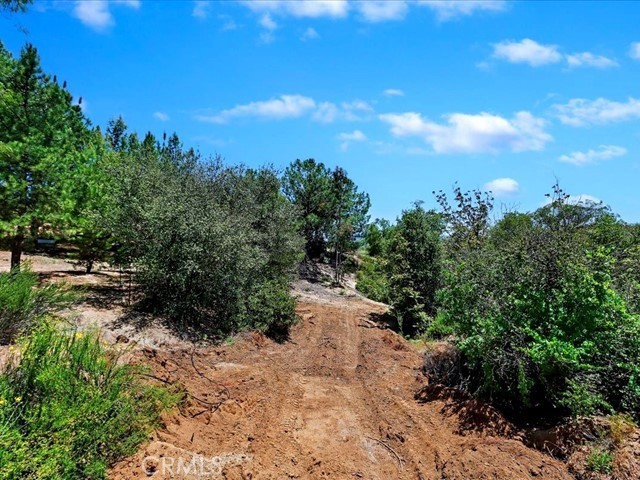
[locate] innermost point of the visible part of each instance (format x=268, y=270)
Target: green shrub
x=21, y=301
x=539, y=315
x=600, y=460
x=212, y=248
x=414, y=259
x=69, y=410
x=371, y=279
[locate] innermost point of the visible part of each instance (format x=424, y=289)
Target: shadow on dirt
x=385, y=320
x=472, y=415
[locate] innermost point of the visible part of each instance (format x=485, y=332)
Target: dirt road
x=336, y=401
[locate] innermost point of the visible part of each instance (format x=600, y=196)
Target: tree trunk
x=16, y=251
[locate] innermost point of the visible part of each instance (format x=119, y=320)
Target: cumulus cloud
x=375, y=11
x=393, y=92
x=634, y=51
x=267, y=22
x=451, y=9
x=294, y=106
x=228, y=23
x=588, y=59
x=97, y=14
x=328, y=112
x=201, y=9
x=348, y=138
x=285, y=106
x=580, y=112
x=502, y=187
x=309, y=34
x=372, y=11
x=301, y=8
x=537, y=55
x=479, y=133
x=162, y=116
x=527, y=51
x=604, y=152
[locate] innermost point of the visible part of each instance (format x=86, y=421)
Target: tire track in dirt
x=336, y=401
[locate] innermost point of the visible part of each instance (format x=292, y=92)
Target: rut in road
x=335, y=401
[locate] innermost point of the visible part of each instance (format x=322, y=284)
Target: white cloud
x=309, y=34
x=375, y=11
x=604, y=152
x=301, y=8
x=328, y=112
x=294, y=106
x=580, y=112
x=162, y=116
x=285, y=106
x=201, y=9
x=268, y=23
x=135, y=4
x=502, y=187
x=588, y=59
x=527, y=51
x=97, y=15
x=393, y=92
x=228, y=23
x=371, y=11
x=355, y=136
x=348, y=138
x=450, y=9
x=480, y=133
x=94, y=14
x=634, y=51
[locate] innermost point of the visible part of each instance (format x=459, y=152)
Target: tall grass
x=21, y=303
x=69, y=409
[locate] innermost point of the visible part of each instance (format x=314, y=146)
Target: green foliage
x=213, y=248
x=371, y=278
x=69, y=410
x=414, y=259
x=307, y=184
x=539, y=320
x=331, y=209
x=600, y=460
x=43, y=145
x=21, y=302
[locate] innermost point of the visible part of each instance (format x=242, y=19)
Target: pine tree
x=43, y=145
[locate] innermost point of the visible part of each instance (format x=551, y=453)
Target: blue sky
x=409, y=97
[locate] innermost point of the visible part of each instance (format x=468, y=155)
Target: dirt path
x=336, y=401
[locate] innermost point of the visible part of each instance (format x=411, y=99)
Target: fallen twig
x=385, y=445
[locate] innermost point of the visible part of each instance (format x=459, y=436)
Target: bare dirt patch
x=336, y=401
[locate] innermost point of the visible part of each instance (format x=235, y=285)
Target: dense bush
x=539, y=321
x=414, y=257
x=542, y=306
x=21, y=302
x=404, y=266
x=212, y=247
x=371, y=278
x=69, y=410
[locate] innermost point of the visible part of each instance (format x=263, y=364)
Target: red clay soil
x=335, y=401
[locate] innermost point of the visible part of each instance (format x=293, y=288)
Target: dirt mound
x=336, y=401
